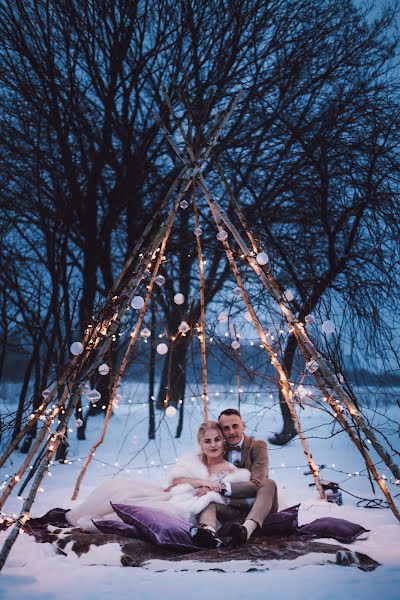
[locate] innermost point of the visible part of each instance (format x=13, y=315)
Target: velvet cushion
x=118, y=527
x=329, y=527
x=284, y=522
x=157, y=526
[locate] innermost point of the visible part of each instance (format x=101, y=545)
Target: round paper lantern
x=309, y=319
x=328, y=327
x=183, y=204
x=76, y=348
x=145, y=333
x=301, y=392
x=237, y=291
x=198, y=231
x=159, y=280
x=222, y=317
x=262, y=258
x=222, y=235
x=170, y=411
x=179, y=298
x=288, y=295
x=183, y=327
x=104, y=369
x=46, y=393
x=162, y=348
x=117, y=398
x=78, y=423
x=137, y=302
x=235, y=345
x=93, y=396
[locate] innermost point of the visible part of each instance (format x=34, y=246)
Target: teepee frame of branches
x=148, y=254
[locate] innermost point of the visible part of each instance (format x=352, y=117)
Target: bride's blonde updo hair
x=208, y=425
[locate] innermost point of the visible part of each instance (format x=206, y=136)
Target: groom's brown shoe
x=238, y=534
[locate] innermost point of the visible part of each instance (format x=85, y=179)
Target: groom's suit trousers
x=266, y=502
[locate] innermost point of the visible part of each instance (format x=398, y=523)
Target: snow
x=33, y=570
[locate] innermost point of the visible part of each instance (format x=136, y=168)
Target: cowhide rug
x=100, y=548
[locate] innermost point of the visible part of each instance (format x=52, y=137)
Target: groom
x=251, y=501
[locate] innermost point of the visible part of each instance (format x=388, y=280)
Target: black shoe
x=239, y=534
x=205, y=538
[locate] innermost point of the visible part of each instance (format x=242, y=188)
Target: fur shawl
x=183, y=495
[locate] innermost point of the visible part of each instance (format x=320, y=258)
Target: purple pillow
x=157, y=526
x=118, y=527
x=284, y=522
x=329, y=527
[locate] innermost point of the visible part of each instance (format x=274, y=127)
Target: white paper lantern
x=160, y=280
x=222, y=235
x=162, y=348
x=78, y=423
x=288, y=294
x=237, y=291
x=179, y=298
x=198, y=231
x=309, y=319
x=262, y=258
x=170, y=411
x=46, y=393
x=145, y=333
x=104, y=369
x=312, y=366
x=183, y=327
x=222, y=318
x=76, y=348
x=93, y=396
x=183, y=204
x=235, y=345
x=301, y=392
x=137, y=302
x=117, y=398
x=328, y=327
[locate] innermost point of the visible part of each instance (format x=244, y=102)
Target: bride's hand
x=214, y=486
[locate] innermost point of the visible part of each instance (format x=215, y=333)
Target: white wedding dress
x=180, y=500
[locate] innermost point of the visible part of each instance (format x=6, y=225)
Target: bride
x=195, y=481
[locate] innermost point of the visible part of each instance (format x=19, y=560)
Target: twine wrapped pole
x=202, y=332
x=169, y=222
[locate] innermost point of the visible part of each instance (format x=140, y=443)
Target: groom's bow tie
x=234, y=448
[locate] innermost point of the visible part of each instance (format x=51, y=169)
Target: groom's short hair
x=229, y=412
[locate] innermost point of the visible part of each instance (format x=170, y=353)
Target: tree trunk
x=288, y=431
x=172, y=385
x=22, y=397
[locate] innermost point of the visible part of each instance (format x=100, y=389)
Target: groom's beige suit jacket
x=255, y=459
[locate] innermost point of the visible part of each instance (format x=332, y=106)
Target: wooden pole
x=306, y=346
x=202, y=332
x=132, y=341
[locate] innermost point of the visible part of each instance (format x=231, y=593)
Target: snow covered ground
x=34, y=571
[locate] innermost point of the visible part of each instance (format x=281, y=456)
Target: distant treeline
x=223, y=365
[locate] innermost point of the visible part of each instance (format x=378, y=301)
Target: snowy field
x=34, y=571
